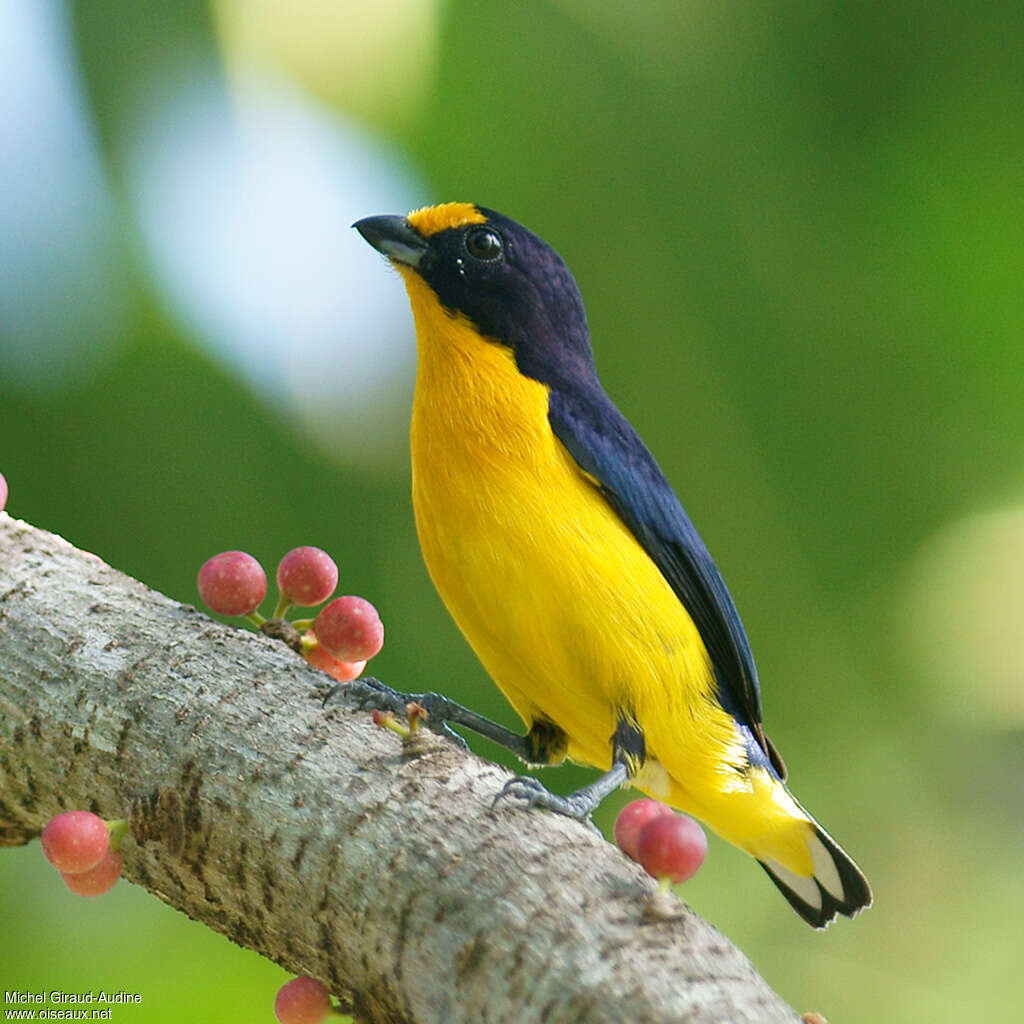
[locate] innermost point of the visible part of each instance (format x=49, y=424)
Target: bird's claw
x=522, y=788
x=368, y=694
x=532, y=793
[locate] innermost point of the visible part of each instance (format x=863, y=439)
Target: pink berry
x=232, y=583
x=343, y=671
x=3, y=492
x=632, y=818
x=350, y=629
x=307, y=576
x=99, y=879
x=671, y=846
x=75, y=841
x=302, y=1001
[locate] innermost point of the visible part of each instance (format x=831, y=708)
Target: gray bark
x=302, y=831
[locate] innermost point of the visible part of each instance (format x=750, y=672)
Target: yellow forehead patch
x=429, y=220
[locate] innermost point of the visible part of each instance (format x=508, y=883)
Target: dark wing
x=605, y=446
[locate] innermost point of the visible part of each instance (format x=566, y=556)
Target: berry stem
x=386, y=720
x=282, y=606
x=255, y=618
x=416, y=713
x=303, y=624
x=118, y=830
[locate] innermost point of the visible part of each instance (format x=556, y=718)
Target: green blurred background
x=799, y=232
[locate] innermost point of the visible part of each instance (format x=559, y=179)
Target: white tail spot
x=806, y=888
x=825, y=868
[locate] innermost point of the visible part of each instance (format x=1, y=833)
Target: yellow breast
x=559, y=601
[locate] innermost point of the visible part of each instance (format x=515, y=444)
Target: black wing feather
x=604, y=444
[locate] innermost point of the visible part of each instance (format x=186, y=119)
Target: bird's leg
x=545, y=743
x=628, y=753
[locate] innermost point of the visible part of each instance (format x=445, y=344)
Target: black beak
x=395, y=237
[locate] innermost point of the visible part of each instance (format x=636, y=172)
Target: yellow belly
x=562, y=605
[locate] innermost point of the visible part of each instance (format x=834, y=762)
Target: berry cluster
x=669, y=846
x=346, y=633
x=85, y=850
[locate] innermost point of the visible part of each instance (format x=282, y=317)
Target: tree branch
x=309, y=835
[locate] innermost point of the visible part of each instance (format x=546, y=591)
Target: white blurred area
x=244, y=201
x=240, y=191
x=62, y=288
x=963, y=615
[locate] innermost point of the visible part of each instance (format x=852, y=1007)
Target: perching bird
x=569, y=564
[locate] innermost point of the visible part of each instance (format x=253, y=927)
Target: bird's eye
x=484, y=244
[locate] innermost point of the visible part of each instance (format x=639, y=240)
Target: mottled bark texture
x=305, y=833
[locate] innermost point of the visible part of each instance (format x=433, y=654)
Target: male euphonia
x=569, y=563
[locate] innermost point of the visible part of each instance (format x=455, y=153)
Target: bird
x=569, y=564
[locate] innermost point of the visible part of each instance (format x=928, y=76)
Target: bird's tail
x=837, y=885
x=817, y=877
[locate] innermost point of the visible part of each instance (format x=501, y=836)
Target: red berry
x=3, y=492
x=632, y=818
x=97, y=881
x=671, y=846
x=302, y=1001
x=343, y=671
x=307, y=576
x=75, y=841
x=232, y=583
x=350, y=629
